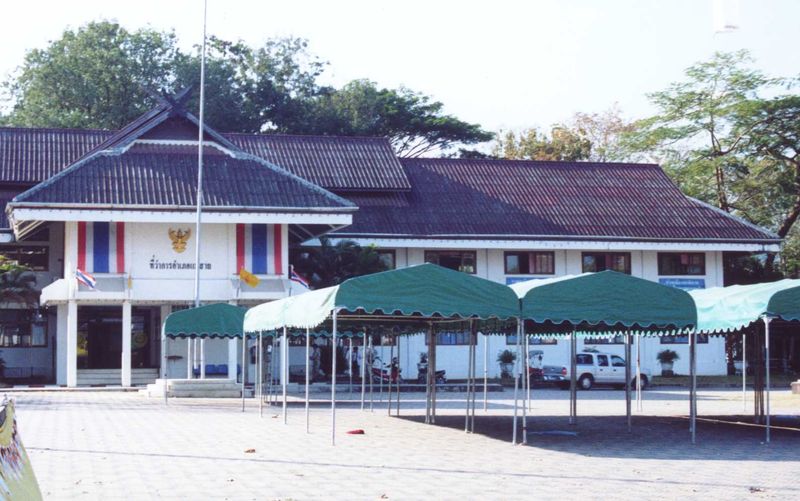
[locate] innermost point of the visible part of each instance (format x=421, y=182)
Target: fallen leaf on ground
x=249, y=451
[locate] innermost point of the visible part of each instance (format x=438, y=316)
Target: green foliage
x=99, y=76
x=331, y=264
x=506, y=357
x=17, y=283
x=561, y=144
x=667, y=356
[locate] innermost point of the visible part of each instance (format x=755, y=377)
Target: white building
x=120, y=205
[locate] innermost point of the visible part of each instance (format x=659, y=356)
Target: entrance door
x=99, y=337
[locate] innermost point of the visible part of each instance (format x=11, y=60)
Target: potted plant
x=506, y=359
x=666, y=358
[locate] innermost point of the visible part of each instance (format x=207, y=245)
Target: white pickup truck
x=601, y=369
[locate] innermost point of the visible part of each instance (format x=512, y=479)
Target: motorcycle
x=422, y=372
x=389, y=373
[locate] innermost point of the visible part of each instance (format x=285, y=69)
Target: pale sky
x=501, y=63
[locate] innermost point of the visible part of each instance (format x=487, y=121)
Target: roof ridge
x=313, y=136
x=56, y=129
x=526, y=161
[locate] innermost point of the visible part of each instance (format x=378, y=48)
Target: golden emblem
x=179, y=239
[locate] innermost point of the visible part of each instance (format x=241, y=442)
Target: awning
x=424, y=291
x=608, y=300
x=728, y=309
x=218, y=320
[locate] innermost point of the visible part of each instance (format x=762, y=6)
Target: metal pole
x=573, y=368
x=432, y=373
x=380, y=372
x=333, y=383
x=474, y=336
x=389, y=387
x=527, y=369
x=200, y=132
x=744, y=371
x=371, y=364
x=485, y=372
x=470, y=377
x=350, y=365
x=284, y=370
x=202, y=358
x=363, y=366
x=260, y=375
x=308, y=377
x=639, y=373
x=244, y=365
x=767, y=320
x=429, y=335
x=189, y=358
x=164, y=364
x=628, y=379
x=516, y=381
x=398, y=375
x=693, y=392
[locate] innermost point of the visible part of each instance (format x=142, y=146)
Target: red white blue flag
x=101, y=247
x=300, y=279
x=259, y=249
x=86, y=279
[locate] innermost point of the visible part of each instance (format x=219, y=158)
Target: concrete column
x=233, y=357
x=126, y=343
x=72, y=344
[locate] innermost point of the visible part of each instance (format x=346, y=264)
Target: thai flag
x=101, y=247
x=86, y=279
x=295, y=277
x=259, y=248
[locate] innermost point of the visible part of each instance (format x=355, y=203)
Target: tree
x=93, y=77
x=331, y=264
x=605, y=132
x=17, y=284
x=562, y=144
x=414, y=123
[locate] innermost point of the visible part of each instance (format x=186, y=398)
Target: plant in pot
x=506, y=359
x=667, y=358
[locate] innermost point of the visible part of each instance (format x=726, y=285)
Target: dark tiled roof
x=558, y=200
x=166, y=176
x=33, y=155
x=340, y=163
x=335, y=163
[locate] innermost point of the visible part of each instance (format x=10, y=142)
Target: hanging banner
x=17, y=480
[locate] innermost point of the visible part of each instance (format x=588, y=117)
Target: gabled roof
x=505, y=199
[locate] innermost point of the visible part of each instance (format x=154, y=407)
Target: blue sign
x=686, y=284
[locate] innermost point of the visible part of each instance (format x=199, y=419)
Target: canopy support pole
x=628, y=380
x=189, y=358
x=516, y=381
x=527, y=370
x=693, y=390
x=389, y=372
x=244, y=365
x=308, y=377
x=639, y=373
x=202, y=358
x=485, y=373
x=350, y=366
x=573, y=395
x=164, y=363
x=363, y=366
x=397, y=378
x=474, y=335
x=767, y=320
x=333, y=382
x=284, y=371
x=380, y=372
x=260, y=375
x=744, y=371
x=432, y=373
x=371, y=365
x=469, y=379
x=429, y=335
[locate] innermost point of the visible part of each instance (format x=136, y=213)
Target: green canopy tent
x=604, y=301
x=425, y=292
x=731, y=309
x=219, y=320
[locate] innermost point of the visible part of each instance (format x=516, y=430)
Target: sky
x=500, y=63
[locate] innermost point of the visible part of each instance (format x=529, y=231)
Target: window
x=701, y=339
x=677, y=263
x=602, y=261
x=511, y=339
x=530, y=263
x=602, y=360
x=18, y=329
x=454, y=260
x=617, y=361
x=388, y=258
x=619, y=339
x=583, y=359
x=452, y=338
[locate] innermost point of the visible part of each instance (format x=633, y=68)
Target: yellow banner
x=248, y=278
x=17, y=481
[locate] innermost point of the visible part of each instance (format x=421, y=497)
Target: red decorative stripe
x=120, y=247
x=239, y=247
x=81, y=246
x=277, y=248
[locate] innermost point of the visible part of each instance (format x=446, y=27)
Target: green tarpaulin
x=729, y=309
x=606, y=299
x=218, y=320
x=425, y=290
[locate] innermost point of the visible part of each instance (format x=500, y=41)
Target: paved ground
x=122, y=445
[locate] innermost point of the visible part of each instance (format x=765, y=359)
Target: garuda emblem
x=179, y=238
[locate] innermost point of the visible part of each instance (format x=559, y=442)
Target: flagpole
x=200, y=161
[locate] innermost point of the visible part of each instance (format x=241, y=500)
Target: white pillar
x=126, y=343
x=233, y=349
x=72, y=344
